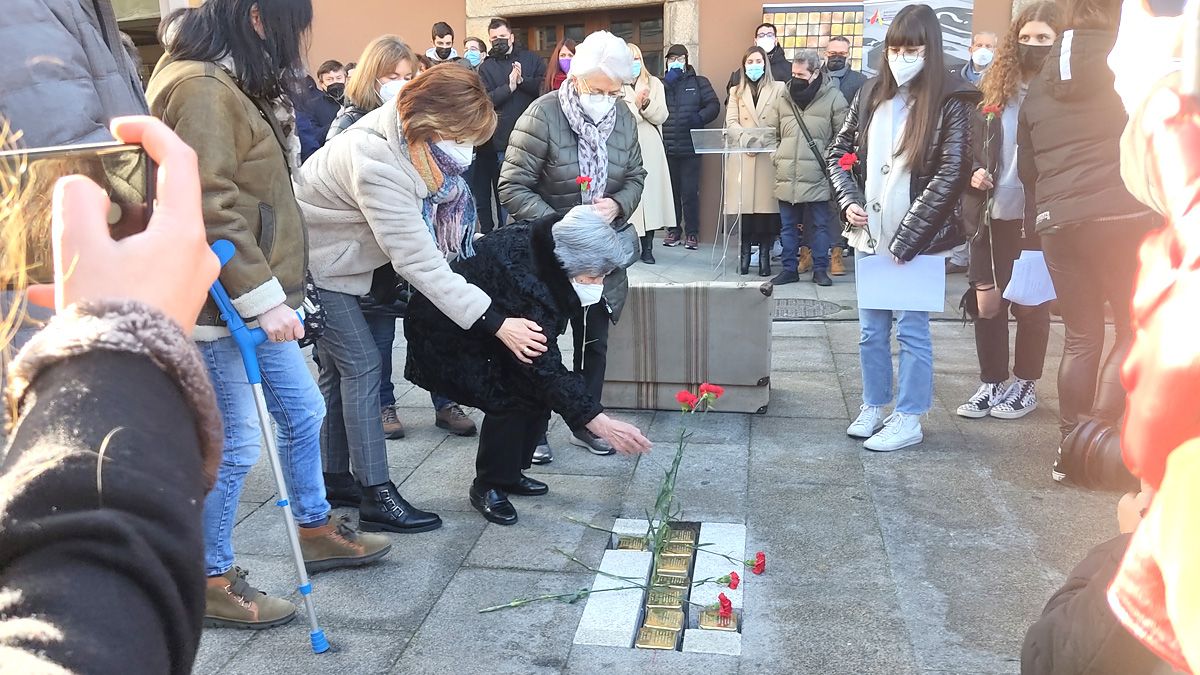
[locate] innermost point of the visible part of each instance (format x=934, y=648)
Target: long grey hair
x=586, y=245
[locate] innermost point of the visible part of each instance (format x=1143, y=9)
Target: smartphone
x=123, y=170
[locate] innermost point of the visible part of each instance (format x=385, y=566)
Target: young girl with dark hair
x=994, y=207
x=909, y=131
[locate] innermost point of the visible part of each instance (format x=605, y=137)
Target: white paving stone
x=700, y=641
x=627, y=527
x=726, y=538
x=610, y=619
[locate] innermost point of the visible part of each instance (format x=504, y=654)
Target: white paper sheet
x=917, y=286
x=1030, y=284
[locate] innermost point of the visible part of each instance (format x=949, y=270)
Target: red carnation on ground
x=687, y=399
x=716, y=391
x=726, y=609
x=847, y=161
x=760, y=562
x=734, y=580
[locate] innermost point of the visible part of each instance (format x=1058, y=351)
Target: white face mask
x=589, y=294
x=903, y=71
x=596, y=105
x=982, y=57
x=390, y=90
x=766, y=44
x=462, y=153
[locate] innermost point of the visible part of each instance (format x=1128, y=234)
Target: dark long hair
x=1093, y=14
x=265, y=67
x=915, y=26
x=552, y=68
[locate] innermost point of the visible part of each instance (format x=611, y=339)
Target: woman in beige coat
x=648, y=102
x=750, y=177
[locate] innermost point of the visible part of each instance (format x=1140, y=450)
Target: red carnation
x=716, y=391
x=760, y=562
x=687, y=399
x=726, y=609
x=848, y=161
x=584, y=182
x=990, y=110
x=734, y=580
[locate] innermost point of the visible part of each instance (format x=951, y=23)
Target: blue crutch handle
x=247, y=339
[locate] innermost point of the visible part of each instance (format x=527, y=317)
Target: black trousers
x=506, y=444
x=1094, y=264
x=685, y=189
x=485, y=175
x=993, y=253
x=591, y=346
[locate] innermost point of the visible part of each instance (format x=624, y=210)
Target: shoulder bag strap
x=812, y=144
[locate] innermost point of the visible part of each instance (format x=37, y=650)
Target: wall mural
x=954, y=15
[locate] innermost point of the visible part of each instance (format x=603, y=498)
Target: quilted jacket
x=933, y=223
x=692, y=104
x=515, y=265
x=799, y=178
x=542, y=163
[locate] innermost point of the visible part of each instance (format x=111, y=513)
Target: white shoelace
x=892, y=426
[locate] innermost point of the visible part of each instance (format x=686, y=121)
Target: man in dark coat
x=837, y=64
x=692, y=104
x=545, y=271
x=513, y=78
x=765, y=36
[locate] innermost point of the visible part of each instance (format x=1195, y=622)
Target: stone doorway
x=642, y=26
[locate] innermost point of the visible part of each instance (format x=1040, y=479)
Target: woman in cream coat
x=750, y=177
x=648, y=102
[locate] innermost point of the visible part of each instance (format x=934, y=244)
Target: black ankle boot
x=383, y=509
x=342, y=490
x=744, y=258
x=764, y=258
x=648, y=248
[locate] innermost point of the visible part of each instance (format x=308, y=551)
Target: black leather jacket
x=933, y=223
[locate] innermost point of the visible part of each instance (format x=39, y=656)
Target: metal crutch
x=247, y=341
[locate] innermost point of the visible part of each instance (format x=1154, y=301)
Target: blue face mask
x=637, y=69
x=755, y=71
x=675, y=65
x=473, y=57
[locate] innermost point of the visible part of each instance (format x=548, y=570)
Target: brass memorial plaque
x=670, y=581
x=667, y=619
x=656, y=638
x=710, y=619
x=673, y=565
x=631, y=543
x=681, y=536
x=679, y=549
x=662, y=596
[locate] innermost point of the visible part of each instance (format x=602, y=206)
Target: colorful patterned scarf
x=449, y=210
x=593, y=141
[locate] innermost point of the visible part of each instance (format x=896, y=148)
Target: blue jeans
x=817, y=219
x=916, y=358
x=383, y=331
x=297, y=408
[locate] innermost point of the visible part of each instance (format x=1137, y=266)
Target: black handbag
x=314, y=312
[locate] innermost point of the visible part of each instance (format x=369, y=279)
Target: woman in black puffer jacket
x=1069, y=153
x=903, y=205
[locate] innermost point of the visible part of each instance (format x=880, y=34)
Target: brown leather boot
x=231, y=602
x=392, y=428
x=805, y=260
x=453, y=419
x=837, y=266
x=336, y=544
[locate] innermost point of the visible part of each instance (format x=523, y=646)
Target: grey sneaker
x=586, y=439
x=542, y=454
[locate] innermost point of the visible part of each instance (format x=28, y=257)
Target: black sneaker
x=821, y=278
x=1020, y=400
x=1057, y=472
x=988, y=396
x=785, y=277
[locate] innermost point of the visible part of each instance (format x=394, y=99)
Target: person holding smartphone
x=899, y=166
x=226, y=86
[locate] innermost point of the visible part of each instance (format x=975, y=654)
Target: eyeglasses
x=908, y=55
x=766, y=35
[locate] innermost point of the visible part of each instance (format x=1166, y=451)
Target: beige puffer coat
x=798, y=175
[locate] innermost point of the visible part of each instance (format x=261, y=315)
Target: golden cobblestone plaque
x=631, y=544
x=667, y=619
x=671, y=581
x=656, y=638
x=673, y=565
x=710, y=619
x=684, y=535
x=678, y=549
x=663, y=596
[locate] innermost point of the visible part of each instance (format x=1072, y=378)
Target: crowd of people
x=355, y=197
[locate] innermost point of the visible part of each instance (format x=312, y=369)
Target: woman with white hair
x=547, y=271
x=572, y=146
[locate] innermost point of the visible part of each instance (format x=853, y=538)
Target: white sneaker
x=988, y=397
x=1019, y=401
x=868, y=423
x=899, y=431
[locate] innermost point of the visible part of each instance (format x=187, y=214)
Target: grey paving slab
x=712, y=427
x=543, y=526
x=285, y=650
x=456, y=638
x=217, y=648
x=442, y=480
x=807, y=394
x=586, y=660
x=711, y=483
x=804, y=354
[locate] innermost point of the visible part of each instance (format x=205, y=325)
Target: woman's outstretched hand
x=169, y=266
x=624, y=437
x=523, y=338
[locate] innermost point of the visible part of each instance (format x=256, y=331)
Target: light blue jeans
x=298, y=410
x=916, y=358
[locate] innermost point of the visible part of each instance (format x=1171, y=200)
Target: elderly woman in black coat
x=546, y=271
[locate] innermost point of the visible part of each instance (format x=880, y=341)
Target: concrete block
x=611, y=618
x=698, y=640
x=728, y=539
x=627, y=527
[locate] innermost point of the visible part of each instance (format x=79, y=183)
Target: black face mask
x=443, y=53
x=499, y=48
x=336, y=90
x=802, y=91
x=835, y=62
x=1031, y=57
